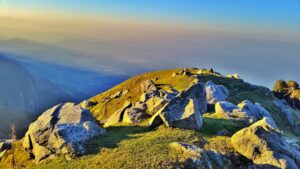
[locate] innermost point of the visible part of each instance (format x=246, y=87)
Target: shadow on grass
x=211, y=126
x=114, y=136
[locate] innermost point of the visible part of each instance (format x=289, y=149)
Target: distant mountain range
x=28, y=87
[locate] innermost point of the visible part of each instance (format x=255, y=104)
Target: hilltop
x=178, y=118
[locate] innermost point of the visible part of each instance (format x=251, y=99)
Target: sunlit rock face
x=263, y=144
x=61, y=130
x=185, y=110
x=215, y=93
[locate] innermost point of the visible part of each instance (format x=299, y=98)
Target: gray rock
x=285, y=110
x=250, y=108
x=61, y=130
x=215, y=93
x=148, y=86
x=135, y=114
x=186, y=149
x=117, y=116
x=231, y=111
x=263, y=144
x=201, y=158
x=225, y=107
x=184, y=111
x=255, y=111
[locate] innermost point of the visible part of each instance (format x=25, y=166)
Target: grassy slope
x=141, y=147
x=105, y=108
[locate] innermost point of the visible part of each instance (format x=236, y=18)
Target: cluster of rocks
x=200, y=158
x=151, y=100
x=261, y=144
x=246, y=110
x=61, y=130
x=183, y=111
x=289, y=91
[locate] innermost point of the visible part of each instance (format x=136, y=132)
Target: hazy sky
x=260, y=39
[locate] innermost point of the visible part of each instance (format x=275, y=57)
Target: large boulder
x=231, y=111
x=263, y=144
x=184, y=111
x=135, y=114
x=148, y=86
x=254, y=110
x=225, y=107
x=61, y=130
x=215, y=93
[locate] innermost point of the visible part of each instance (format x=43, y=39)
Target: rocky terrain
x=289, y=91
x=179, y=118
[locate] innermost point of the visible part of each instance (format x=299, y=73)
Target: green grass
x=137, y=147
x=212, y=125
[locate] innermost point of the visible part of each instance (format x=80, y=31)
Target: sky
x=258, y=39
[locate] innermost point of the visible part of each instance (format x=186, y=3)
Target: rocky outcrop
x=200, y=158
x=135, y=114
x=211, y=159
x=184, y=111
x=61, y=130
x=215, y=93
x=225, y=107
x=254, y=110
x=289, y=91
x=263, y=144
x=233, y=76
x=246, y=111
x=117, y=116
x=155, y=99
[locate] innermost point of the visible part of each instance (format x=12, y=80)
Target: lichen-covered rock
x=225, y=107
x=185, y=110
x=215, y=93
x=117, y=116
x=263, y=144
x=255, y=111
x=61, y=130
x=135, y=114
